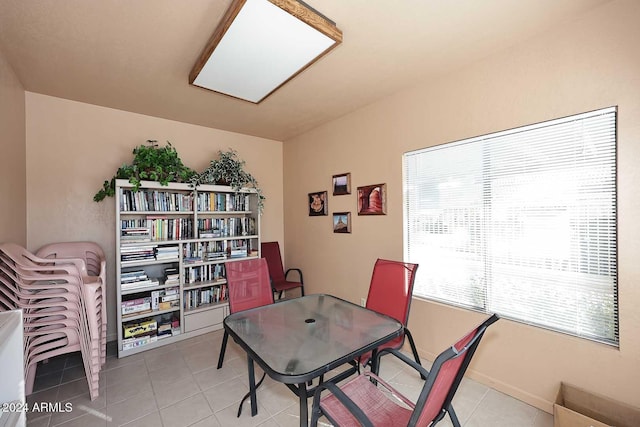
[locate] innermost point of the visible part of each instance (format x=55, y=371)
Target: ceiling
x=136, y=55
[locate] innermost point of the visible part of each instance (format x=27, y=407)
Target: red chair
x=248, y=287
x=390, y=293
x=361, y=402
x=271, y=252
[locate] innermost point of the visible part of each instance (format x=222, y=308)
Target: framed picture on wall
x=342, y=222
x=341, y=184
x=372, y=199
x=318, y=203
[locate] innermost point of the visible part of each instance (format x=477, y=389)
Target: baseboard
x=508, y=389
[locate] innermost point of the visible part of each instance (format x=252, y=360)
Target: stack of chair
x=95, y=268
x=63, y=303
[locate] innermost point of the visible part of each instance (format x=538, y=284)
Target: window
x=520, y=223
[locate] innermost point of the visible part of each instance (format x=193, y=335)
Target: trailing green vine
x=228, y=169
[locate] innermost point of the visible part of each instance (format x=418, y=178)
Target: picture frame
x=341, y=222
x=341, y=184
x=372, y=199
x=317, y=203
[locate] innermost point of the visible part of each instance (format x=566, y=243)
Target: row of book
x=164, y=299
x=167, y=253
x=134, y=234
x=226, y=227
x=222, y=202
x=155, y=200
x=147, y=331
x=135, y=254
x=170, y=228
x=204, y=273
x=203, y=251
x=136, y=279
x=202, y=296
x=171, y=276
x=155, y=228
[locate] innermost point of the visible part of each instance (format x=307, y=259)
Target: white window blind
x=520, y=223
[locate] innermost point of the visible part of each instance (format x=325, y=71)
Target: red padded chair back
x=446, y=373
x=271, y=252
x=391, y=288
x=248, y=284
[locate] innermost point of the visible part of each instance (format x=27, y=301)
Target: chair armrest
x=403, y=358
x=70, y=265
x=299, y=274
x=342, y=398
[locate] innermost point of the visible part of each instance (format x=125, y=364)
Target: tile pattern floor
x=178, y=385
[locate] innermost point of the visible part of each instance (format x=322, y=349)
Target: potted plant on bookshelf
x=150, y=162
x=228, y=169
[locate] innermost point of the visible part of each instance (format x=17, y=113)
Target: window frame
x=612, y=336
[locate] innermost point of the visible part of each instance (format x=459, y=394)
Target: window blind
x=521, y=223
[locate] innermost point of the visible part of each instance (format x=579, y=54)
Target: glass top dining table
x=297, y=340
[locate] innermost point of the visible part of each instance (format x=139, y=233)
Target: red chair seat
x=379, y=408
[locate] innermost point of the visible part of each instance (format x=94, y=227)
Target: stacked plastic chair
x=63, y=303
x=95, y=264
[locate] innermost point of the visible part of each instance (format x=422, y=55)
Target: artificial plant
x=150, y=162
x=228, y=169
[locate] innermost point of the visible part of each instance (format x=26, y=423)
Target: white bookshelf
x=194, y=231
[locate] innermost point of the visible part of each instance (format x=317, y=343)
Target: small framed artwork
x=318, y=203
x=341, y=184
x=342, y=222
x=372, y=199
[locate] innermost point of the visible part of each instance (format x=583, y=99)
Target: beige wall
x=13, y=218
x=73, y=147
x=583, y=65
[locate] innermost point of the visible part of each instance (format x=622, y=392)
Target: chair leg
x=301, y=290
x=453, y=416
x=316, y=412
x=223, y=349
x=407, y=333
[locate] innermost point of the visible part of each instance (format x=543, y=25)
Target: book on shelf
x=137, y=329
x=164, y=330
x=171, y=276
x=238, y=253
x=165, y=298
x=134, y=234
x=145, y=248
x=136, y=306
x=133, y=254
x=135, y=342
x=168, y=253
x=198, y=297
x=133, y=275
x=127, y=286
x=155, y=300
x=168, y=305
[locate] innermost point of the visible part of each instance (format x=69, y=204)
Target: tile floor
x=178, y=385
